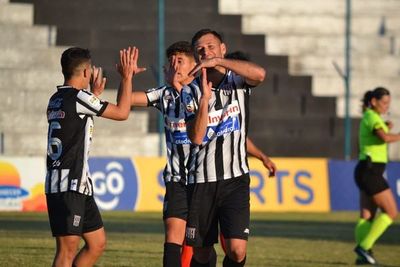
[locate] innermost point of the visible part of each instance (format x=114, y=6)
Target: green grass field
x=136, y=239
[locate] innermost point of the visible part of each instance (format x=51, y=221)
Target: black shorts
x=175, y=201
x=369, y=177
x=72, y=213
x=226, y=202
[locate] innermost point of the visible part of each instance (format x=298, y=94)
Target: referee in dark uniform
x=217, y=109
x=73, y=213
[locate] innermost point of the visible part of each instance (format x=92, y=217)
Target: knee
x=237, y=254
x=97, y=248
x=393, y=214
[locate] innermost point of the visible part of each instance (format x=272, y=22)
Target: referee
x=374, y=189
x=72, y=211
x=217, y=112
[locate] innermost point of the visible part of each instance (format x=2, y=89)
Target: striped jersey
x=222, y=154
x=70, y=117
x=168, y=101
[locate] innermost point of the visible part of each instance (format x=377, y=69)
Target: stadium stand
x=311, y=33
x=290, y=115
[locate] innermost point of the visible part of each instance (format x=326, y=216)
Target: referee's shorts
x=226, y=202
x=369, y=177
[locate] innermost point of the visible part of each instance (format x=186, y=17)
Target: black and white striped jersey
x=168, y=101
x=222, y=155
x=69, y=114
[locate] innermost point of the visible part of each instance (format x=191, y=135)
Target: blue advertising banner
x=343, y=190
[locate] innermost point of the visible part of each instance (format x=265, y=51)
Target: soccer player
x=374, y=189
x=168, y=101
x=217, y=108
x=73, y=213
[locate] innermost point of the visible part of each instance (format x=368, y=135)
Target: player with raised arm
x=72, y=210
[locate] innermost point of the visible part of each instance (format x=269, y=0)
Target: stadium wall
x=301, y=184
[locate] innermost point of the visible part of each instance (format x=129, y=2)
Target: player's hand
x=128, y=59
x=205, y=85
x=206, y=63
x=389, y=124
x=270, y=166
x=170, y=73
x=98, y=82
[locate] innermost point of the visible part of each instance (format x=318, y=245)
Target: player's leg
x=234, y=218
x=202, y=224
x=66, y=248
x=65, y=211
x=95, y=243
x=174, y=215
x=93, y=234
x=367, y=213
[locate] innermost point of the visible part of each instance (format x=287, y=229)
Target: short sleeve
x=375, y=122
x=154, y=97
x=89, y=104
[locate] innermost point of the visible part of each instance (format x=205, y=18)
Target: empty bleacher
x=287, y=118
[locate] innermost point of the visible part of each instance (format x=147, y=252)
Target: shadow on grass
x=152, y=223
x=315, y=230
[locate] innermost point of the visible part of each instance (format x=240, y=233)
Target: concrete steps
x=28, y=58
x=320, y=24
x=308, y=7
x=25, y=36
x=20, y=14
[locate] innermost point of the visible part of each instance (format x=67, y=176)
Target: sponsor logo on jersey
x=115, y=183
x=55, y=114
x=224, y=121
x=215, y=117
x=94, y=101
x=55, y=103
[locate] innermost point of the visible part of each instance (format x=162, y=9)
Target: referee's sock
x=362, y=228
x=172, y=255
x=231, y=263
x=378, y=227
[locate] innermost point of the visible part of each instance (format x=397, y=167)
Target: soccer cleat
x=365, y=256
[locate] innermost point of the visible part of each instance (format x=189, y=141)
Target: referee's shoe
x=365, y=255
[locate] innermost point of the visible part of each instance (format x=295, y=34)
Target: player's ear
x=223, y=49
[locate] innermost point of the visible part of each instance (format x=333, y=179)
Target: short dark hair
x=180, y=47
x=377, y=93
x=72, y=58
x=203, y=32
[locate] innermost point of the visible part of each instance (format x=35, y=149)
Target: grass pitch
x=136, y=239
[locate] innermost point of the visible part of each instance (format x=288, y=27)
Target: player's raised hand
x=128, y=59
x=205, y=85
x=98, y=82
x=206, y=63
x=170, y=73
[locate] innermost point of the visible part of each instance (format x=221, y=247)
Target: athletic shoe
x=365, y=256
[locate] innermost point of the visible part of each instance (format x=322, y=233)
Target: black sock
x=231, y=263
x=213, y=258
x=194, y=263
x=172, y=255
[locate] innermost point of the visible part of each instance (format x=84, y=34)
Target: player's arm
x=198, y=126
x=254, y=151
x=387, y=137
x=251, y=72
x=127, y=68
x=139, y=99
